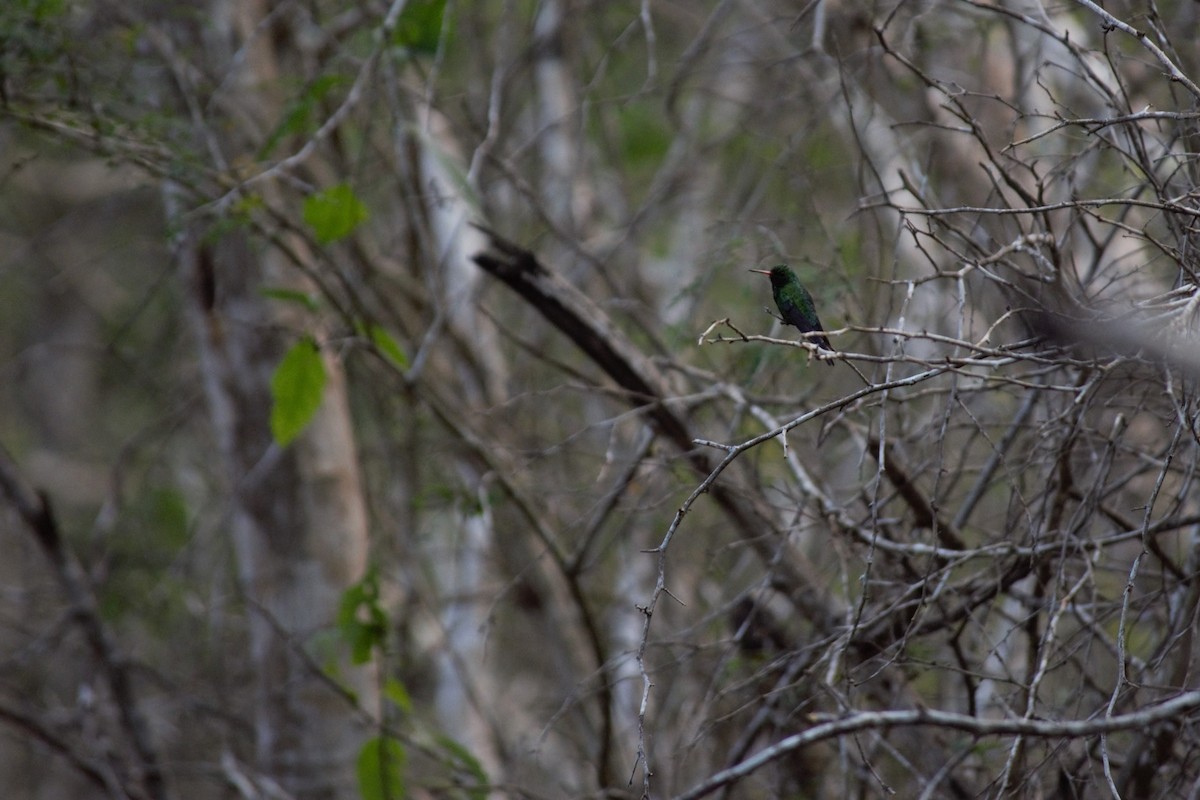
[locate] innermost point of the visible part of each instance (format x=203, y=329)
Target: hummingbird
x=795, y=303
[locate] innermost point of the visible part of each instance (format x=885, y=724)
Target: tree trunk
x=297, y=521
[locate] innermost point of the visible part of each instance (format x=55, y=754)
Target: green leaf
x=300, y=116
x=170, y=516
x=397, y=692
x=334, y=213
x=381, y=769
x=296, y=390
x=384, y=342
x=419, y=28
x=461, y=759
x=296, y=296
x=644, y=135
x=361, y=618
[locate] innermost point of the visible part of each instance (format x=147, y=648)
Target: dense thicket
x=388, y=411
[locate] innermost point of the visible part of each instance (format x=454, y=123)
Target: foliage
x=363, y=621
x=334, y=213
x=387, y=345
x=419, y=26
x=381, y=766
x=296, y=390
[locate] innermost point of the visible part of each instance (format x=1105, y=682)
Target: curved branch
x=884, y=720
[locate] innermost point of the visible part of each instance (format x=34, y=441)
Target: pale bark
x=298, y=529
x=297, y=517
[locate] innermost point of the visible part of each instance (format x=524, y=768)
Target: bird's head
x=781, y=275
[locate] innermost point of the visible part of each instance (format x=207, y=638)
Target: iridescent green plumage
x=795, y=303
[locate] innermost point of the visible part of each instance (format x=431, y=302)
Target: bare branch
x=976, y=726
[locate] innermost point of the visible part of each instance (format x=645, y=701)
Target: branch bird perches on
x=591, y=329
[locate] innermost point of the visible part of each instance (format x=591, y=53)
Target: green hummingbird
x=795, y=303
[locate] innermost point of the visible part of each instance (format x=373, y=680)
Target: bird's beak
x=761, y=271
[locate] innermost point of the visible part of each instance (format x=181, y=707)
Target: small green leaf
x=384, y=342
x=419, y=27
x=296, y=296
x=334, y=213
x=381, y=769
x=396, y=691
x=296, y=390
x=169, y=514
x=644, y=137
x=461, y=759
x=361, y=619
x=300, y=116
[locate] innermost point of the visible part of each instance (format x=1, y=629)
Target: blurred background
x=312, y=488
